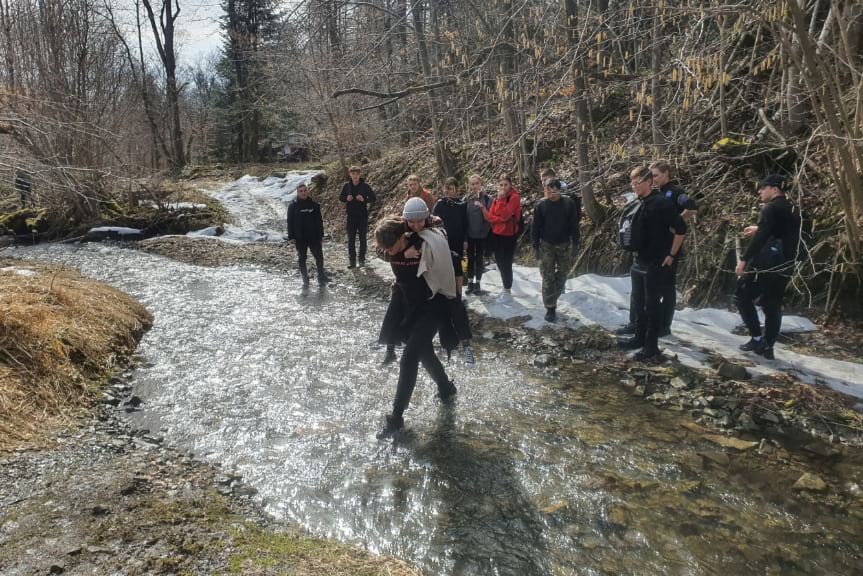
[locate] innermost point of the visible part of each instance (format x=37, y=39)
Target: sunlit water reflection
x=520, y=477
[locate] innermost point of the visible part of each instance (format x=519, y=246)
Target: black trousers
x=395, y=326
x=317, y=251
x=418, y=349
x=648, y=281
x=769, y=290
x=475, y=255
x=504, y=254
x=669, y=297
x=357, y=226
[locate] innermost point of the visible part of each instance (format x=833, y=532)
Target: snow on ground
x=18, y=271
x=591, y=299
x=259, y=207
x=172, y=205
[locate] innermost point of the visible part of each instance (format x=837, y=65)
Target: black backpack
x=626, y=235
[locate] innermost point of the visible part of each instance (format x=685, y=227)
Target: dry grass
x=60, y=336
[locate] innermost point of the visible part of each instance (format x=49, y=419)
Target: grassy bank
x=61, y=336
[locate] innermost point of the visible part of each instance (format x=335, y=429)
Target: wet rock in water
x=639, y=391
x=810, y=483
x=746, y=423
x=100, y=510
x=56, y=568
x=720, y=458
x=543, y=360
x=134, y=402
x=555, y=507
x=617, y=515
x=679, y=383
x=730, y=371
x=731, y=442
x=769, y=417
x=822, y=449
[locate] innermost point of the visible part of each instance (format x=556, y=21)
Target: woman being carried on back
x=425, y=281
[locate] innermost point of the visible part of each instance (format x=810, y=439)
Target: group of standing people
x=427, y=244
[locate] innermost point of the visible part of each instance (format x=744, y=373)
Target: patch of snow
x=259, y=207
x=172, y=205
x=592, y=299
x=119, y=230
x=18, y=271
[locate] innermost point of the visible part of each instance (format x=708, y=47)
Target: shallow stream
x=527, y=474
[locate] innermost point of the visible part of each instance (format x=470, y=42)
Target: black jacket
x=555, y=222
x=778, y=224
x=305, y=223
x=652, y=228
x=453, y=213
x=680, y=199
x=357, y=210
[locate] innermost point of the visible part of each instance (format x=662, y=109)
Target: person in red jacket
x=504, y=216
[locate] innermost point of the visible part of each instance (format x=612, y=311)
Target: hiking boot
x=394, y=423
x=752, y=346
x=447, y=395
x=352, y=265
x=630, y=343
x=625, y=329
x=766, y=352
x=469, y=360
x=476, y=288
x=362, y=263
x=469, y=288
x=389, y=356
x=647, y=355
x=551, y=315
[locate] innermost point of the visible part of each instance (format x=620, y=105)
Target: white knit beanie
x=415, y=209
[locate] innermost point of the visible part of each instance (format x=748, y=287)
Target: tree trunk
x=445, y=160
x=163, y=34
x=655, y=88
x=595, y=210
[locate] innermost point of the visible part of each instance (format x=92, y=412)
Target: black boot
x=551, y=314
x=389, y=356
x=447, y=393
x=625, y=329
x=630, y=343
x=752, y=346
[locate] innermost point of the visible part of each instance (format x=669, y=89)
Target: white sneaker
x=469, y=360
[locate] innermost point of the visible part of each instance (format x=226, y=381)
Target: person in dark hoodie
x=554, y=236
x=766, y=265
x=306, y=232
x=357, y=195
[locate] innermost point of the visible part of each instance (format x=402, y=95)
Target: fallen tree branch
x=396, y=95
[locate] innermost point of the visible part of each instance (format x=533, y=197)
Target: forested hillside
x=726, y=92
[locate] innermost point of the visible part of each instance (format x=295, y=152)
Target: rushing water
x=525, y=475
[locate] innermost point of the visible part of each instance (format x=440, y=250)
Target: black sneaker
x=647, y=355
x=389, y=357
x=394, y=423
x=752, y=346
x=766, y=352
x=476, y=289
x=625, y=329
x=352, y=265
x=362, y=263
x=447, y=395
x=550, y=315
x=469, y=288
x=630, y=343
